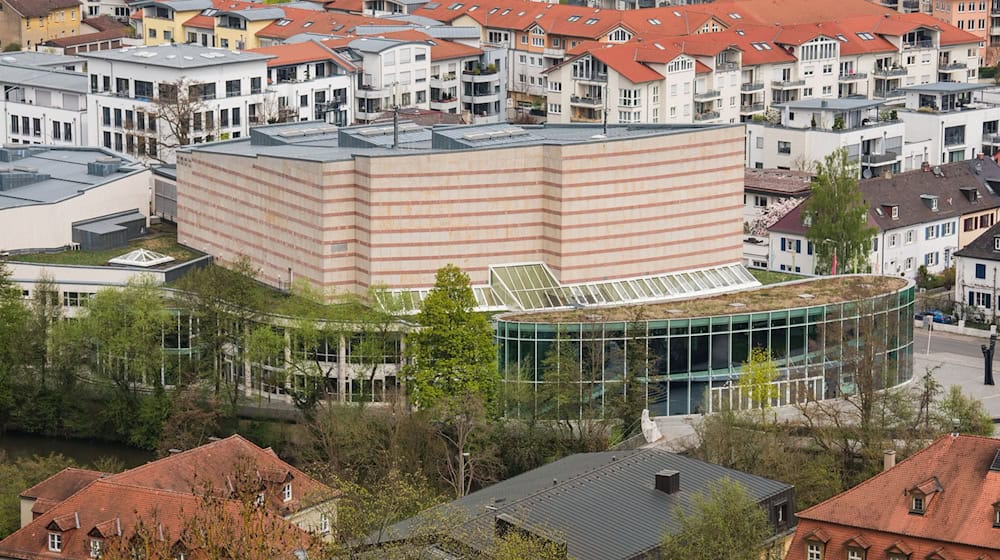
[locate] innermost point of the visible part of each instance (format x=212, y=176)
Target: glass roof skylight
x=141, y=257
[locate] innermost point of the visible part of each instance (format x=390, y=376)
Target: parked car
x=937, y=316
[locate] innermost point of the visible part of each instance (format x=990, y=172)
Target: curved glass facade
x=692, y=364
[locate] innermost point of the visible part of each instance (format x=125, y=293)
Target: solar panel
x=996, y=462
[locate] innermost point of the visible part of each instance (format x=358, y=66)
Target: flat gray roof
x=43, y=77
x=254, y=14
x=39, y=59
x=176, y=55
x=67, y=169
x=841, y=104
x=945, y=87
x=319, y=141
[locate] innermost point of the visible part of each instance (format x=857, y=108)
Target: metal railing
x=754, y=86
x=889, y=72
x=577, y=100
x=947, y=67
x=787, y=83
x=854, y=76
x=710, y=94
x=920, y=44
x=752, y=108
x=707, y=115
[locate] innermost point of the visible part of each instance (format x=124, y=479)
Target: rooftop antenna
x=605, y=110
x=395, y=119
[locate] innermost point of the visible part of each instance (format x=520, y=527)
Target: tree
x=838, y=216
x=969, y=412
x=725, y=523
x=13, y=324
x=180, y=110
x=453, y=353
x=46, y=311
x=757, y=377
x=771, y=214
x=16, y=476
x=468, y=457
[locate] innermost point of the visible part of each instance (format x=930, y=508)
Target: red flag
x=833, y=268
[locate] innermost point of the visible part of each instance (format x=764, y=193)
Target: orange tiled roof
x=297, y=53
x=962, y=513
x=321, y=23
x=106, y=508
x=201, y=21
x=622, y=59
x=349, y=6
x=440, y=49
x=62, y=485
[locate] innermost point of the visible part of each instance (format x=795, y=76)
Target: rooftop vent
x=668, y=482
x=9, y=153
x=19, y=177
x=104, y=166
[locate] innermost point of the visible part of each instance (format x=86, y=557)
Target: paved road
x=955, y=360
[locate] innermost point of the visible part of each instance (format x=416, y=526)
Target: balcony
x=919, y=44
x=911, y=6
x=755, y=86
x=554, y=53
x=853, y=76
x=879, y=159
x=995, y=30
x=889, y=72
x=706, y=116
x=482, y=97
x=787, y=84
x=888, y=94
x=995, y=10
x=371, y=92
x=586, y=101
x=443, y=80
x=991, y=138
x=754, y=108
x=444, y=104
x=707, y=95
x=727, y=66
x=952, y=66
x=592, y=77
x=470, y=76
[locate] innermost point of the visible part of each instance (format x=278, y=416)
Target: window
x=13, y=123
x=760, y=201
x=233, y=88
x=55, y=542
x=931, y=259
x=954, y=135
x=784, y=147
x=760, y=142
x=855, y=554
x=996, y=243
x=538, y=41
x=814, y=552
x=286, y=492
x=917, y=505
x=555, y=108
x=324, y=523
x=981, y=271
x=56, y=130
x=930, y=232
x=255, y=85
x=68, y=132
x=95, y=548
x=893, y=240
x=628, y=97
x=236, y=116
x=908, y=263
x=910, y=236
x=969, y=224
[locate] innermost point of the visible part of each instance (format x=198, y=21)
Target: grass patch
x=771, y=277
x=161, y=240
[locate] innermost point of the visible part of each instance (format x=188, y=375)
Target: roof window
x=866, y=36
x=573, y=18
x=456, y=6
x=590, y=21
x=494, y=10
x=735, y=15
x=654, y=21
x=505, y=12
x=283, y=22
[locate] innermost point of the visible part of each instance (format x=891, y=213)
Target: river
x=84, y=452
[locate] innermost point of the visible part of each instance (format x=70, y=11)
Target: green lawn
x=164, y=243
x=770, y=277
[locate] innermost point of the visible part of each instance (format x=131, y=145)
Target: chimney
x=979, y=156
x=887, y=175
x=668, y=482
x=926, y=166
x=888, y=459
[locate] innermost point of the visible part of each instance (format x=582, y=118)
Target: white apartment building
x=117, y=9
x=392, y=73
x=953, y=119
x=810, y=129
x=977, y=274
x=307, y=81
x=221, y=92
x=43, y=105
x=923, y=217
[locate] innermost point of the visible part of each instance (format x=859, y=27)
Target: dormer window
x=996, y=243
x=816, y=544
x=95, y=548
x=286, y=492
x=996, y=515
x=917, y=504
x=894, y=212
x=259, y=501
x=55, y=542
x=931, y=201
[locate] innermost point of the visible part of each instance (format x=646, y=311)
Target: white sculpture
x=650, y=431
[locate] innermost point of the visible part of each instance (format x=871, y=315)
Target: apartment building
x=43, y=105
x=922, y=218
x=811, y=128
x=977, y=266
x=953, y=118
x=27, y=23
x=307, y=81
x=118, y=9
x=148, y=101
x=975, y=16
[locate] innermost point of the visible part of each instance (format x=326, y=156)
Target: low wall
x=960, y=329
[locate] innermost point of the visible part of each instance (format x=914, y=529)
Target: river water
x=84, y=452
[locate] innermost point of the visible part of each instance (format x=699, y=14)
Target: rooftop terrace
x=803, y=293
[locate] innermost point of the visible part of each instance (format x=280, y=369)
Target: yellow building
x=27, y=23
x=163, y=22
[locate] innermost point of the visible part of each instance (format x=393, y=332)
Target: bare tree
x=182, y=115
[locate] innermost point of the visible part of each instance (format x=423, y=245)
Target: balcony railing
x=886, y=157
x=887, y=94
x=593, y=77
x=754, y=108
x=554, y=53
x=889, y=72
x=706, y=116
x=588, y=101
x=919, y=44
x=707, y=95
x=951, y=66
x=854, y=76
x=788, y=83
x=991, y=138
x=726, y=66
x=752, y=86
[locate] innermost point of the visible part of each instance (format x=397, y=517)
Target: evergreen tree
x=837, y=216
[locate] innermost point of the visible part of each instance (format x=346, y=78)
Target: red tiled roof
x=440, y=49
x=213, y=465
x=40, y=8
x=104, y=23
x=109, y=508
x=701, y=68
x=62, y=485
x=620, y=58
x=777, y=181
x=297, y=53
x=86, y=38
x=961, y=514
x=201, y=21
x=320, y=23
x=349, y=6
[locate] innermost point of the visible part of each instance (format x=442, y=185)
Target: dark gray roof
x=841, y=104
x=604, y=506
x=945, y=87
x=177, y=55
x=983, y=246
x=62, y=173
x=905, y=190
